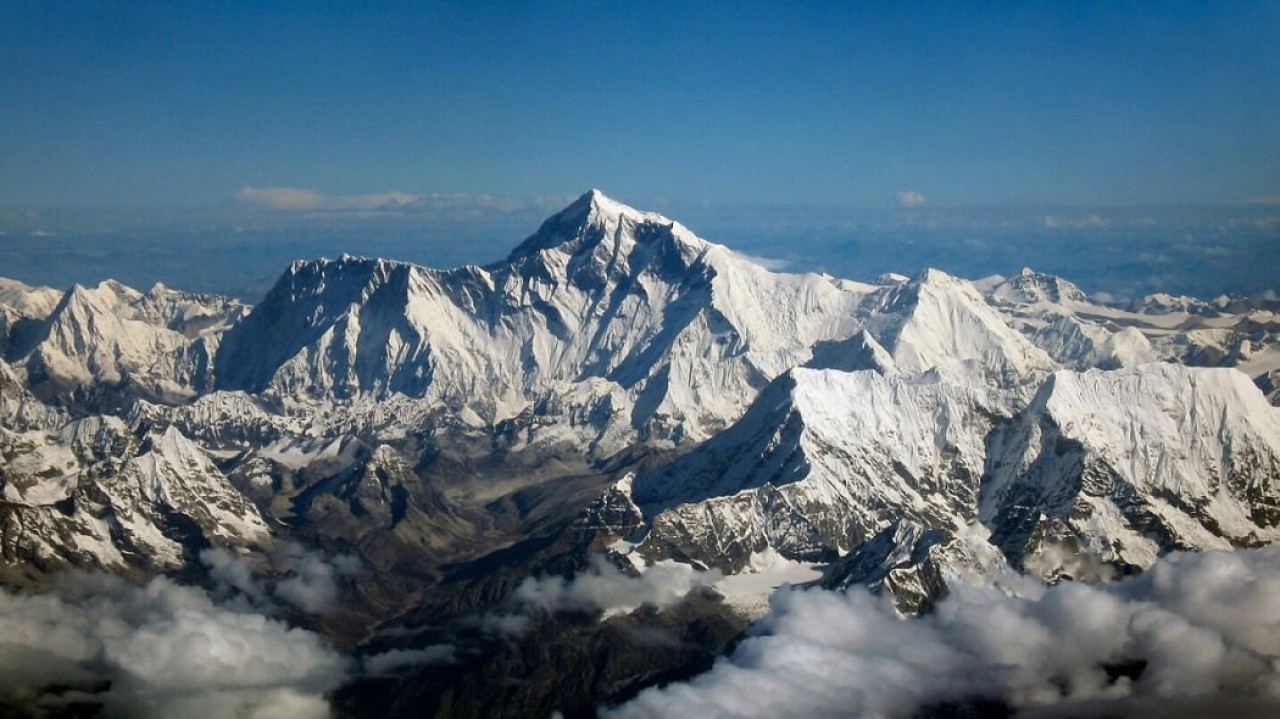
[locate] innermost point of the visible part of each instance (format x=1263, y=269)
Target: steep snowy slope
x=1120, y=466
x=1060, y=319
x=918, y=565
x=1103, y=470
x=678, y=332
x=821, y=462
x=21, y=307
x=20, y=410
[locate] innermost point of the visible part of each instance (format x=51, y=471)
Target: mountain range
x=622, y=399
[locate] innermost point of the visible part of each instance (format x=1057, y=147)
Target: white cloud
x=282, y=198
x=233, y=572
x=1203, y=629
x=305, y=579
x=1085, y=222
x=503, y=624
x=453, y=206
x=910, y=198
x=312, y=584
x=374, y=200
x=293, y=198
x=604, y=587
x=161, y=650
x=601, y=588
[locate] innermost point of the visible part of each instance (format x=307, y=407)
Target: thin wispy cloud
x=294, y=198
x=775, y=264
x=1091, y=220
x=303, y=200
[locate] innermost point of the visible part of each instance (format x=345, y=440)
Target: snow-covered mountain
x=822, y=462
x=619, y=384
x=1080, y=333
x=941, y=325
x=1121, y=466
x=102, y=347
x=94, y=495
x=1101, y=473
x=665, y=332
x=607, y=330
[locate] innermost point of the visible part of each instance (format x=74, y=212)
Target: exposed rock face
x=1125, y=465
x=917, y=565
x=93, y=495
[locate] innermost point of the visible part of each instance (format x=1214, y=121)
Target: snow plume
x=773, y=264
x=601, y=588
x=1197, y=635
x=161, y=650
x=306, y=580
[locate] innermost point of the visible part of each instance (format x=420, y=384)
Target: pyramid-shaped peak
x=595, y=216
x=594, y=204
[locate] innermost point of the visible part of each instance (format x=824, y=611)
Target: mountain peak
x=599, y=204
x=594, y=217
x=934, y=276
x=1030, y=287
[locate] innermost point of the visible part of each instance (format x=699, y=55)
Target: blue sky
x=137, y=104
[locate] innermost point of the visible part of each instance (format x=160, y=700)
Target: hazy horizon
x=1116, y=252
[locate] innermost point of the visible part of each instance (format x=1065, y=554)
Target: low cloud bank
x=160, y=650
x=1197, y=635
x=604, y=587
x=169, y=650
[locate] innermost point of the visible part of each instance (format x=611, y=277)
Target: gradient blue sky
x=845, y=103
